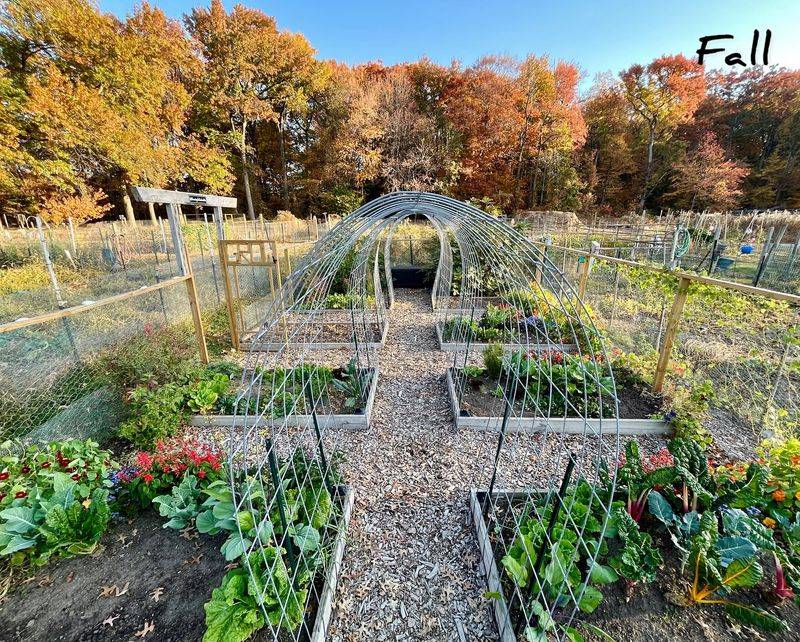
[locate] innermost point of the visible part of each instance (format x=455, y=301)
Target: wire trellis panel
x=287, y=433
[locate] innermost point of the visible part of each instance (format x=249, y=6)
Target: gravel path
x=411, y=566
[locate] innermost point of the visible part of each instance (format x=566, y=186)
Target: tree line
x=228, y=102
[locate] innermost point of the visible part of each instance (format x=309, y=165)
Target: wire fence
x=79, y=306
x=746, y=345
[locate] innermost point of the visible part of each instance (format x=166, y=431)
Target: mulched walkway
x=411, y=568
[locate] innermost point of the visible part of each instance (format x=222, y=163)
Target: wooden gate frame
x=234, y=253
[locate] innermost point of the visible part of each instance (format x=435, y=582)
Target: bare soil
x=479, y=401
x=65, y=601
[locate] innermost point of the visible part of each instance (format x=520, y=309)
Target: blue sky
x=599, y=36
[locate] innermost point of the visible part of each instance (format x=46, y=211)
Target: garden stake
x=320, y=446
x=276, y=481
x=500, y=441
x=550, y=525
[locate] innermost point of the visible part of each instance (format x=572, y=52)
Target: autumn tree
x=661, y=95
x=706, y=179
x=609, y=163
x=104, y=103
x=482, y=103
x=253, y=73
x=753, y=113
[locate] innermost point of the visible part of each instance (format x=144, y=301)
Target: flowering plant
x=25, y=470
x=154, y=473
x=783, y=485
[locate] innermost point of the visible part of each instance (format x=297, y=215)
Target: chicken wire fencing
x=59, y=375
x=301, y=395
x=93, y=261
x=737, y=352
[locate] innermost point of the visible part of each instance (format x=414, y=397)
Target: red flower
x=201, y=474
x=3, y=476
x=46, y=464
x=21, y=494
x=26, y=470
x=147, y=478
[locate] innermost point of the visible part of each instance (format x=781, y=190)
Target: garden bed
x=460, y=346
x=331, y=336
x=641, y=612
x=477, y=411
x=65, y=599
x=333, y=415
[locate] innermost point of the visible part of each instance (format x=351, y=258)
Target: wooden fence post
x=191, y=290
x=277, y=261
x=586, y=267
x=223, y=264
x=673, y=321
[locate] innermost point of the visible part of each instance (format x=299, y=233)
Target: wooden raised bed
x=325, y=607
x=563, y=425
x=461, y=346
x=359, y=420
x=267, y=346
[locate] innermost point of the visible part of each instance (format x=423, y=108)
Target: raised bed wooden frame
x=563, y=425
x=325, y=608
x=358, y=421
x=452, y=346
x=270, y=346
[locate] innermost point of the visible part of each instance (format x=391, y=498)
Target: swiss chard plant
x=722, y=564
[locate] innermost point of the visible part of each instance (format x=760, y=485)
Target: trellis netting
x=547, y=380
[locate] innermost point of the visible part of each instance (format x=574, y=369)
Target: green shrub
x=158, y=356
x=493, y=360
x=156, y=413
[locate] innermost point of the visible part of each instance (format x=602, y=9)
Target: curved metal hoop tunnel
x=483, y=264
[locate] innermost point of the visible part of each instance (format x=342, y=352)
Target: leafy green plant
x=78, y=526
x=182, y=504
x=53, y=520
x=690, y=410
x=638, y=559
x=28, y=469
x=247, y=599
x=636, y=483
x=493, y=360
x=692, y=472
x=563, y=560
x=203, y=395
x=155, y=414
x=351, y=384
x=459, y=328
x=586, y=382
x=721, y=565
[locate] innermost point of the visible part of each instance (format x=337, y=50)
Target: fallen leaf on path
x=157, y=593
x=109, y=621
x=149, y=627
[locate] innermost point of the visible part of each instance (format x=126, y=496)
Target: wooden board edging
x=559, y=425
x=325, y=609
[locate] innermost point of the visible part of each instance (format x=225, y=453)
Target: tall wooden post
x=673, y=321
x=185, y=268
x=223, y=263
x=276, y=259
